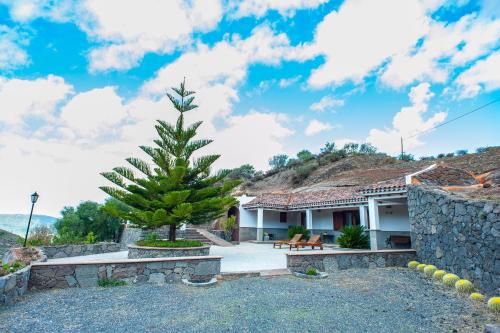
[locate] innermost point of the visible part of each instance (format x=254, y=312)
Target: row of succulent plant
x=451, y=280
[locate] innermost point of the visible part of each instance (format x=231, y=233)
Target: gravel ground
x=379, y=300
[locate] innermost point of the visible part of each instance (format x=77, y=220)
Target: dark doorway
x=345, y=218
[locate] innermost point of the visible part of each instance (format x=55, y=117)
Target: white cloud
x=326, y=103
x=482, y=76
x=361, y=36
x=284, y=83
x=408, y=123
x=259, y=8
x=11, y=43
x=21, y=99
x=445, y=47
x=139, y=27
x=315, y=126
x=93, y=113
x=28, y=10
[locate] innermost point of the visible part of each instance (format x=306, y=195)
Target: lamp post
x=34, y=198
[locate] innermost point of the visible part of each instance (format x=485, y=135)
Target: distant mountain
x=17, y=223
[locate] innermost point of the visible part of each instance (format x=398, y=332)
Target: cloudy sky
x=81, y=82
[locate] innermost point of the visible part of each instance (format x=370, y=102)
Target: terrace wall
x=458, y=235
x=333, y=261
x=73, y=250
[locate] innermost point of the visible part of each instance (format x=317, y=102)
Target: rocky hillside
x=320, y=172
x=7, y=240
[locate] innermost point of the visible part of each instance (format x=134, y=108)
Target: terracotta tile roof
x=330, y=197
x=391, y=185
x=443, y=175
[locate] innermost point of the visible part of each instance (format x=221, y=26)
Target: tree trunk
x=171, y=233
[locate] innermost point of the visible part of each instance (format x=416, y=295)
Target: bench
x=394, y=239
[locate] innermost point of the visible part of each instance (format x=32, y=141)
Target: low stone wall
x=87, y=274
x=74, y=250
x=458, y=235
x=136, y=252
x=332, y=261
x=15, y=285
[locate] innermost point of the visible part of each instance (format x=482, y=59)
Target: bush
x=421, y=268
x=353, y=238
x=438, y=275
x=413, y=264
x=449, y=279
x=303, y=172
x=6, y=269
x=476, y=297
x=298, y=229
x=110, y=283
x=429, y=270
x=494, y=304
x=461, y=152
x=312, y=271
x=228, y=226
x=170, y=244
x=90, y=238
x=40, y=235
x=464, y=286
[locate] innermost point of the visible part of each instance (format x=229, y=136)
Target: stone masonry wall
x=458, y=235
x=135, y=252
x=331, y=262
x=164, y=270
x=64, y=251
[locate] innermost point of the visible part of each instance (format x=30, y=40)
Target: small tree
x=246, y=171
x=278, y=161
x=406, y=157
x=304, y=155
x=351, y=148
x=328, y=148
x=367, y=149
x=228, y=226
x=461, y=152
x=180, y=188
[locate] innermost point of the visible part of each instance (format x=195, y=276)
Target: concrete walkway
x=245, y=257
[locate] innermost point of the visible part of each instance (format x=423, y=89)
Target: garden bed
x=137, y=251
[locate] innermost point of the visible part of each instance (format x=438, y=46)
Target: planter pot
x=137, y=252
x=320, y=275
x=208, y=283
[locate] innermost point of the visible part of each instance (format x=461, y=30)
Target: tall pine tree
x=179, y=189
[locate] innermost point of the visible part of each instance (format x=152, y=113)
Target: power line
x=456, y=118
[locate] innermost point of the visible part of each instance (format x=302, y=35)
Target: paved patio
x=240, y=258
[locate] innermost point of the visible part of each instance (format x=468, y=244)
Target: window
x=283, y=217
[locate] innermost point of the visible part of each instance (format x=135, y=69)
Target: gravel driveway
x=378, y=300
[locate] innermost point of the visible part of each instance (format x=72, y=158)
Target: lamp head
x=34, y=197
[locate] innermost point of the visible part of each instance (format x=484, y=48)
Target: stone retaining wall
x=158, y=270
x=15, y=285
x=333, y=261
x=74, y=250
x=136, y=252
x=457, y=235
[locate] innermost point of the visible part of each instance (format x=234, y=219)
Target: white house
x=382, y=208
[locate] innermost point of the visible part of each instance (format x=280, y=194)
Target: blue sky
x=82, y=82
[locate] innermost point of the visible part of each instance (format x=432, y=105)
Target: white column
x=309, y=219
x=374, y=223
x=260, y=224
x=363, y=218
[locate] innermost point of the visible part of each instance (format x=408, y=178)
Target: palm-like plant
x=353, y=238
x=179, y=189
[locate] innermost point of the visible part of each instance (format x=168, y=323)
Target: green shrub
x=413, y=264
x=438, y=275
x=429, y=270
x=477, y=297
x=151, y=237
x=6, y=269
x=494, y=304
x=90, y=238
x=298, y=229
x=110, y=283
x=303, y=172
x=421, y=268
x=353, y=238
x=40, y=235
x=171, y=244
x=449, y=279
x=312, y=271
x=464, y=286
x=228, y=226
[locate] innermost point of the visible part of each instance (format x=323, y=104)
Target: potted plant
x=178, y=189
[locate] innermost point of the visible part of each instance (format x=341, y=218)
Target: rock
x=157, y=278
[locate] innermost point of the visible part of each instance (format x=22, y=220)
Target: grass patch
x=166, y=243
x=6, y=269
x=312, y=271
x=111, y=283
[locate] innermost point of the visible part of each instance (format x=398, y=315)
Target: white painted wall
x=272, y=219
x=395, y=218
x=248, y=218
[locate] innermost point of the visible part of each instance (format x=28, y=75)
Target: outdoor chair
x=296, y=238
x=314, y=240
